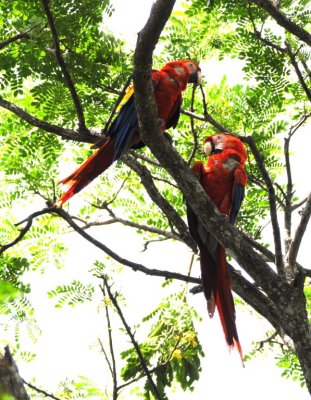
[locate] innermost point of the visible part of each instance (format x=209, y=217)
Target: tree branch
x=303, y=83
x=114, y=219
x=11, y=384
x=142, y=361
x=46, y=394
x=113, y=367
x=62, y=64
x=294, y=248
x=26, y=228
x=89, y=137
x=170, y=159
x=161, y=202
x=134, y=266
x=273, y=208
x=19, y=36
x=283, y=20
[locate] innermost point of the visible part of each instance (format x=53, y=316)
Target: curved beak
x=196, y=78
x=209, y=148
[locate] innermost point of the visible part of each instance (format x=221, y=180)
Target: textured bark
x=10, y=381
x=281, y=303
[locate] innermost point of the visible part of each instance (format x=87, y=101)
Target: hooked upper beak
x=209, y=147
x=196, y=78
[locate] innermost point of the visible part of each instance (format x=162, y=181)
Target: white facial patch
x=208, y=148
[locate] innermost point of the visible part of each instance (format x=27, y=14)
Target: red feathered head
x=220, y=142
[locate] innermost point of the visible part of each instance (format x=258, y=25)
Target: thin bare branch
x=158, y=199
x=295, y=245
x=41, y=391
x=142, y=361
x=258, y=34
x=141, y=156
x=62, y=64
x=106, y=356
x=29, y=221
x=193, y=130
x=283, y=20
x=89, y=137
x=210, y=119
x=288, y=196
x=134, y=266
x=113, y=365
x=294, y=62
x=273, y=208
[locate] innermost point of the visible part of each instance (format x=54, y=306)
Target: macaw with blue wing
x=224, y=180
x=169, y=82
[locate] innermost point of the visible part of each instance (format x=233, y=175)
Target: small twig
x=299, y=204
x=107, y=203
x=142, y=361
x=294, y=248
x=46, y=394
x=146, y=244
x=62, y=64
x=210, y=119
x=145, y=158
x=193, y=131
x=29, y=221
x=134, y=266
x=106, y=356
x=272, y=202
x=19, y=36
x=268, y=340
x=303, y=83
x=159, y=200
x=258, y=34
x=113, y=367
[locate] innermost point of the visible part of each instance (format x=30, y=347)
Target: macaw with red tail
x=169, y=82
x=224, y=180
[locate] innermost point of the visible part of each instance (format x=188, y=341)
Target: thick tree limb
x=11, y=384
x=62, y=64
x=169, y=158
x=66, y=133
x=283, y=20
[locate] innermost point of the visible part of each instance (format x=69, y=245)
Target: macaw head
x=186, y=71
x=219, y=142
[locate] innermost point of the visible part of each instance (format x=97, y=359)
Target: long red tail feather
x=217, y=288
x=88, y=171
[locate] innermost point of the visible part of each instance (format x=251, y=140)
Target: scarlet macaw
x=224, y=179
x=123, y=134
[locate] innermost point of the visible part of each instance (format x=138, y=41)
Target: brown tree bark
x=11, y=384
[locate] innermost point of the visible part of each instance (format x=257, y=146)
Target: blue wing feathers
x=123, y=128
x=237, y=199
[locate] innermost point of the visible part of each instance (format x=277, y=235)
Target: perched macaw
x=123, y=134
x=224, y=180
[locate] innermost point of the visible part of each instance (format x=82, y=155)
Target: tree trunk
x=11, y=383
